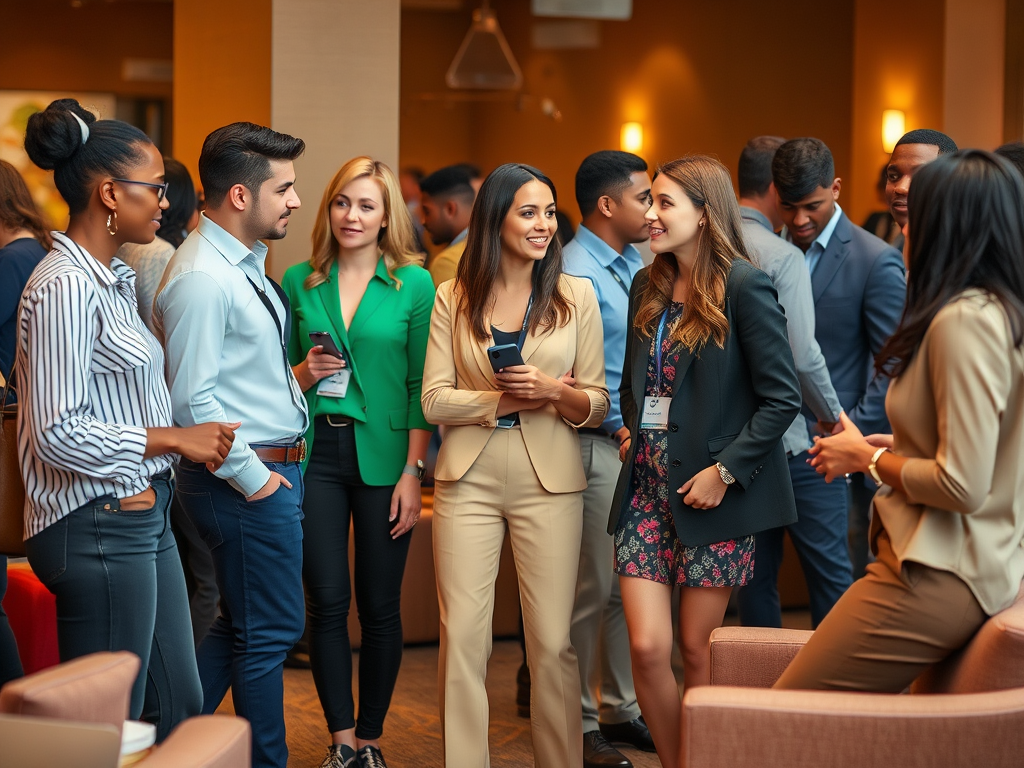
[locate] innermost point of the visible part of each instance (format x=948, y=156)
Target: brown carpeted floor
x=411, y=734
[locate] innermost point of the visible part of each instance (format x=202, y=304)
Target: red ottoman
x=32, y=610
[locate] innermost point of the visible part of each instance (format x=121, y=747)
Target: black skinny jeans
x=336, y=496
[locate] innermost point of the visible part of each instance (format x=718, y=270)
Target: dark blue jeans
x=257, y=555
x=119, y=587
x=10, y=662
x=819, y=536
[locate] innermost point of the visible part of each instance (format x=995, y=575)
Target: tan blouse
x=957, y=413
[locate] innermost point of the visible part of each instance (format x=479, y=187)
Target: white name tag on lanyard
x=335, y=385
x=655, y=413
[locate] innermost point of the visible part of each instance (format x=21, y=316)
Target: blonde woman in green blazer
x=367, y=441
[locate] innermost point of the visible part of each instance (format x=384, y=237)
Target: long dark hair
x=478, y=267
x=966, y=214
x=17, y=209
x=181, y=194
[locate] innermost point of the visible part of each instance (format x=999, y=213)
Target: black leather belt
x=595, y=431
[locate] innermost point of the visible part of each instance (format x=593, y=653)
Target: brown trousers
x=887, y=629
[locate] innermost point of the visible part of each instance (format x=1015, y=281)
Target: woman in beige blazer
x=949, y=522
x=510, y=458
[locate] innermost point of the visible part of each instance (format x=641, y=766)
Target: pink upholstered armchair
x=974, y=717
x=96, y=689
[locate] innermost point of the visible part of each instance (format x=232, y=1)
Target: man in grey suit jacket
x=858, y=287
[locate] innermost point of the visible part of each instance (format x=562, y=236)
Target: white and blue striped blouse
x=90, y=381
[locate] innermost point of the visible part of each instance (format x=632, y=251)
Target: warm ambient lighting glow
x=632, y=137
x=894, y=125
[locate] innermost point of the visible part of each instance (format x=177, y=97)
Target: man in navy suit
x=859, y=286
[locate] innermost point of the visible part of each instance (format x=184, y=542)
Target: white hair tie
x=85, y=128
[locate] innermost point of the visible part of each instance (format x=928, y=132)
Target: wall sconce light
x=631, y=138
x=894, y=125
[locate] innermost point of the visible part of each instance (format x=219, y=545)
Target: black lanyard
x=265, y=300
x=526, y=322
x=619, y=280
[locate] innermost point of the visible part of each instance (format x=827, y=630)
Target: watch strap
x=873, y=466
x=416, y=470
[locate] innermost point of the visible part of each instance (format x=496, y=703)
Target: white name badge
x=335, y=385
x=655, y=413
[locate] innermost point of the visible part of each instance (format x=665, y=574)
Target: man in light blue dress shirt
x=223, y=326
x=613, y=192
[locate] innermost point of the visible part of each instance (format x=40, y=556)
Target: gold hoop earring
x=112, y=219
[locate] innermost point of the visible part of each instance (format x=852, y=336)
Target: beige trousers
x=501, y=490
x=887, y=629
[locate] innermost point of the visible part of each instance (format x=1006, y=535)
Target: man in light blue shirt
x=613, y=191
x=224, y=326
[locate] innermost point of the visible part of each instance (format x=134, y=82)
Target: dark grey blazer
x=859, y=286
x=730, y=405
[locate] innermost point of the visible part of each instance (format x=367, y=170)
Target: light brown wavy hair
x=17, y=208
x=397, y=240
x=706, y=182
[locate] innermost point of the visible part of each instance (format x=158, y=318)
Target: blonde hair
x=397, y=240
x=706, y=182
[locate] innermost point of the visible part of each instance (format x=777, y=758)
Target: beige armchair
x=978, y=718
x=97, y=688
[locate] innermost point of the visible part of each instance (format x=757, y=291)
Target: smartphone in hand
x=325, y=340
x=503, y=356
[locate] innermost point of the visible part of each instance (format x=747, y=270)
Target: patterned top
x=90, y=382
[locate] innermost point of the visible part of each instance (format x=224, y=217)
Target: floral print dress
x=646, y=543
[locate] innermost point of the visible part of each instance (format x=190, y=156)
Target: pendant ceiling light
x=484, y=60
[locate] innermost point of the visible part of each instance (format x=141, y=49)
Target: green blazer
x=385, y=347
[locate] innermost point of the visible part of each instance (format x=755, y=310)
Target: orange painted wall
x=222, y=70
x=702, y=77
x=47, y=45
x=897, y=64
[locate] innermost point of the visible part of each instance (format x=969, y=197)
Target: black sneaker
x=369, y=757
x=339, y=756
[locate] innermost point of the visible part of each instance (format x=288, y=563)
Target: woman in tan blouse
x=948, y=526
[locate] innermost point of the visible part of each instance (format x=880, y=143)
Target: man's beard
x=265, y=231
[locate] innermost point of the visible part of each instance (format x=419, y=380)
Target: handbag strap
x=8, y=388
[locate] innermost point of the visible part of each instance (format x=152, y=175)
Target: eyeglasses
x=161, y=189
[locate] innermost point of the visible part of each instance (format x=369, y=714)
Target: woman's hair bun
x=54, y=135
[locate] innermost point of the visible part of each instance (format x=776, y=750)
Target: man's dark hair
x=800, y=166
x=605, y=173
x=927, y=136
x=449, y=182
x=755, y=169
x=1014, y=152
x=240, y=153
x=471, y=170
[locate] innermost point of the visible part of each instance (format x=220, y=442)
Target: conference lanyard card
x=335, y=385
x=655, y=413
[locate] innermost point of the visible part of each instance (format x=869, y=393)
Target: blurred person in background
x=24, y=241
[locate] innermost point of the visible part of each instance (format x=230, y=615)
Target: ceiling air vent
x=484, y=60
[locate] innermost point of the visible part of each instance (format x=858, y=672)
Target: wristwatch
x=873, y=466
x=418, y=470
x=725, y=474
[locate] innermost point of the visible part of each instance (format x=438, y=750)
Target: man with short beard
x=224, y=326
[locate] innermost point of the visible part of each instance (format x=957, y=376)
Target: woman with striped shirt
x=94, y=426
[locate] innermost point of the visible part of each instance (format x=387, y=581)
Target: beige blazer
x=459, y=388
x=957, y=413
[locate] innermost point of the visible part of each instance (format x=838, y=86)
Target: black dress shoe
x=634, y=733
x=598, y=753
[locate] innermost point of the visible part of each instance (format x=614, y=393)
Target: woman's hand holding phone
x=319, y=364
x=528, y=382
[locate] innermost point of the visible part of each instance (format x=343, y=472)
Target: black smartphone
x=504, y=355
x=325, y=340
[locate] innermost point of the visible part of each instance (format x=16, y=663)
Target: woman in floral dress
x=708, y=389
